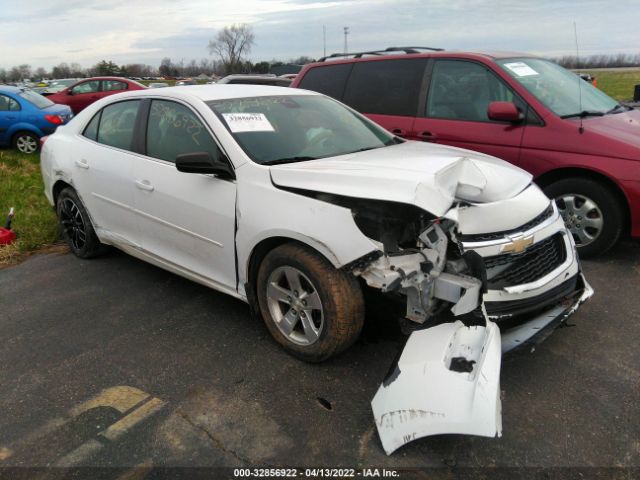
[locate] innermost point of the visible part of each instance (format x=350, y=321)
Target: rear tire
x=76, y=226
x=26, y=142
x=591, y=211
x=311, y=309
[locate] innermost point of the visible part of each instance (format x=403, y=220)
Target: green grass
x=21, y=187
x=617, y=84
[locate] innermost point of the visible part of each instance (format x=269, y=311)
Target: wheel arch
x=263, y=247
x=58, y=186
x=552, y=176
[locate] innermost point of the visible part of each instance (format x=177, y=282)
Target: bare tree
x=231, y=44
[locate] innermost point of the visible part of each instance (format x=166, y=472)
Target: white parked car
x=295, y=203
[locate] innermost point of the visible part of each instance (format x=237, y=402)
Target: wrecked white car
x=295, y=203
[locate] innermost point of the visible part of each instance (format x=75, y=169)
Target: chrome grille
x=535, y=262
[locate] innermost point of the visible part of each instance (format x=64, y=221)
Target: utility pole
x=324, y=40
x=346, y=32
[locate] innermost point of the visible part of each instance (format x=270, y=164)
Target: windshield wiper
x=584, y=113
x=280, y=161
x=619, y=109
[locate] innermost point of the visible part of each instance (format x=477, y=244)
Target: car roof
x=381, y=55
x=218, y=92
x=10, y=89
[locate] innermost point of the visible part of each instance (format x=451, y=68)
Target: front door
x=187, y=220
x=83, y=95
x=456, y=107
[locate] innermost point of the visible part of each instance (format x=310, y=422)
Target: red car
x=82, y=94
x=582, y=147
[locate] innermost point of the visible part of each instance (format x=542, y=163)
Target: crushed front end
x=472, y=295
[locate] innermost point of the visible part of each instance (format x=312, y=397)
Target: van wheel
x=313, y=310
x=76, y=226
x=26, y=142
x=591, y=212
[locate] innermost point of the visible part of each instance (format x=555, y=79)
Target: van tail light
x=42, y=140
x=55, y=119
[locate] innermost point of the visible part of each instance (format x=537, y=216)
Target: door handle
x=82, y=164
x=399, y=132
x=427, y=137
x=144, y=185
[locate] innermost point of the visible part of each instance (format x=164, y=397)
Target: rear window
x=330, y=79
x=36, y=99
x=388, y=87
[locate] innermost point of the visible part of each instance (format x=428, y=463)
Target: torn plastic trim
x=447, y=380
x=422, y=277
x=525, y=337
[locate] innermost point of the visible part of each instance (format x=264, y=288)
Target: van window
x=330, y=79
x=462, y=90
x=388, y=87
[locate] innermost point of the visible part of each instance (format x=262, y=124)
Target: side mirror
x=69, y=92
x=504, y=112
x=203, y=162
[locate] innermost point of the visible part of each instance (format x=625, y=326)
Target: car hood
x=622, y=127
x=429, y=176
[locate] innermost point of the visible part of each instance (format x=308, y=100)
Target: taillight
x=55, y=119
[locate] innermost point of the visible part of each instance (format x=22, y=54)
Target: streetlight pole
x=346, y=32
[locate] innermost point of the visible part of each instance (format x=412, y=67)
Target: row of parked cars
x=580, y=145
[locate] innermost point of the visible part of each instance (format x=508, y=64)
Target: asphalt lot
x=201, y=383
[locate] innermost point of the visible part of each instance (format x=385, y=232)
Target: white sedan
x=295, y=203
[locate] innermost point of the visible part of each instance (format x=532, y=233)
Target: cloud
x=47, y=32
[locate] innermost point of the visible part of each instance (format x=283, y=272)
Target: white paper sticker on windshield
x=521, y=69
x=247, y=122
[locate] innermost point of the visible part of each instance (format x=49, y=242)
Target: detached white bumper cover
x=447, y=380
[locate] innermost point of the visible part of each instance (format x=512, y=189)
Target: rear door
x=9, y=114
x=109, y=87
x=186, y=219
x=387, y=91
x=103, y=171
x=455, y=110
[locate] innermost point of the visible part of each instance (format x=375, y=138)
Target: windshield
x=290, y=128
x=36, y=99
x=557, y=88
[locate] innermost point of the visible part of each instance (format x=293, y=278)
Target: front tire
x=26, y=142
x=591, y=212
x=76, y=226
x=311, y=309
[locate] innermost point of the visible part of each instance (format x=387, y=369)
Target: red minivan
x=83, y=93
x=582, y=147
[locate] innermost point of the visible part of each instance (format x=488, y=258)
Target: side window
x=173, y=129
x=8, y=104
x=91, y=130
x=113, y=85
x=117, y=123
x=330, y=79
x=462, y=90
x=86, y=87
x=388, y=87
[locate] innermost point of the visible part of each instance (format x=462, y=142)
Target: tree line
x=617, y=60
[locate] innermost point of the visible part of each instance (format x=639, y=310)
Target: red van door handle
x=427, y=137
x=399, y=131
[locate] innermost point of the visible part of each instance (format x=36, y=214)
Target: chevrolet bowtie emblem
x=517, y=245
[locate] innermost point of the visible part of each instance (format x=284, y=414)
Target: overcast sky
x=44, y=33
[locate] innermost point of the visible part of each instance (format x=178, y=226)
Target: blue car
x=26, y=116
